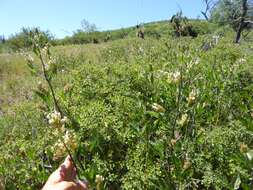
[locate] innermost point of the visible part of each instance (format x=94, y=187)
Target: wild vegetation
x=168, y=112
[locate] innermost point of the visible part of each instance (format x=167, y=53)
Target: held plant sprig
x=56, y=118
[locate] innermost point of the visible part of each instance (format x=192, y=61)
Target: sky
x=63, y=17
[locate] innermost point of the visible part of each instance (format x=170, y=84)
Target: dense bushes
x=22, y=41
x=146, y=114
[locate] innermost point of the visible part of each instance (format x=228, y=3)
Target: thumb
x=79, y=185
x=67, y=170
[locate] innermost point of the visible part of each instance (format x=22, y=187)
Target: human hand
x=64, y=178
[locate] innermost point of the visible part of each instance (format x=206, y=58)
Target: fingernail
x=84, y=181
x=68, y=158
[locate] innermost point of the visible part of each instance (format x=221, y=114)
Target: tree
x=237, y=13
x=181, y=26
x=22, y=39
x=209, y=5
x=140, y=31
x=243, y=22
x=2, y=39
x=88, y=27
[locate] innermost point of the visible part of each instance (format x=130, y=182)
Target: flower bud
x=244, y=148
x=99, y=179
x=183, y=120
x=192, y=96
x=158, y=108
x=174, y=78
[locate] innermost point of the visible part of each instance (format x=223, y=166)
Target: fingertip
x=84, y=184
x=66, y=167
x=67, y=159
x=68, y=162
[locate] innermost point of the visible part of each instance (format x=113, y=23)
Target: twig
x=49, y=83
x=57, y=107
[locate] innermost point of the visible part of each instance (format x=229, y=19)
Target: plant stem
x=57, y=107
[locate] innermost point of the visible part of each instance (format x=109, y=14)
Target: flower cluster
x=242, y=61
x=158, y=108
x=67, y=87
x=192, y=63
x=69, y=139
x=192, y=96
x=50, y=64
x=183, y=120
x=174, y=78
x=29, y=58
x=244, y=148
x=187, y=164
x=55, y=119
x=99, y=179
x=59, y=149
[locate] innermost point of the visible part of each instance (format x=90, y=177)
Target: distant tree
x=209, y=6
x=177, y=21
x=181, y=26
x=140, y=31
x=236, y=13
x=244, y=20
x=2, y=39
x=88, y=27
x=22, y=40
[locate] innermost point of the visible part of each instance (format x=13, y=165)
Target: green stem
x=57, y=107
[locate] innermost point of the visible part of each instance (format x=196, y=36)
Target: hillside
x=159, y=113
x=155, y=30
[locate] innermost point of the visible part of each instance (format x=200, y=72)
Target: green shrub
x=147, y=114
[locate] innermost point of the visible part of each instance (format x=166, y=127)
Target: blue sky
x=62, y=17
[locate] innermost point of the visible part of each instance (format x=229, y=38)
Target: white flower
x=99, y=179
x=241, y=61
x=183, y=120
x=64, y=120
x=197, y=61
x=158, y=108
x=29, y=58
x=174, y=77
x=45, y=49
x=70, y=140
x=47, y=67
x=59, y=149
x=192, y=96
x=55, y=119
x=187, y=164
x=216, y=39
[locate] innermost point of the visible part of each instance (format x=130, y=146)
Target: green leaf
x=237, y=182
x=153, y=114
x=44, y=96
x=32, y=68
x=250, y=155
x=158, y=147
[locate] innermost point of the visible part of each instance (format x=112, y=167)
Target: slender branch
x=71, y=157
x=57, y=107
x=248, y=21
x=49, y=83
